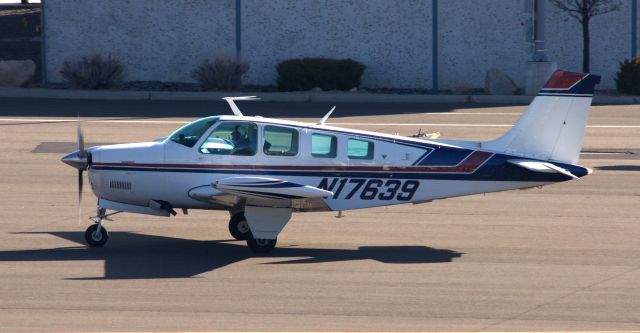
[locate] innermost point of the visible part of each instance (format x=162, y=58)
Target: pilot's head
x=237, y=134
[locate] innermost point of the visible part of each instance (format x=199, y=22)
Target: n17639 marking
x=370, y=189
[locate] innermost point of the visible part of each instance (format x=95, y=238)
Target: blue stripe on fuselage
x=445, y=156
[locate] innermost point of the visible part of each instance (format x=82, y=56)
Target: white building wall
x=477, y=36
x=158, y=40
x=163, y=40
x=393, y=39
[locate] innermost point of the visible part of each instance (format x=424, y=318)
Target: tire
x=94, y=239
x=261, y=245
x=238, y=227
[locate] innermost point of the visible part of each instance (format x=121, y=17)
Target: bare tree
x=583, y=11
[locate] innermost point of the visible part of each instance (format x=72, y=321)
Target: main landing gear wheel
x=96, y=238
x=238, y=227
x=261, y=245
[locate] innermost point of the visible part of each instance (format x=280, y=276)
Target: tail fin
x=553, y=126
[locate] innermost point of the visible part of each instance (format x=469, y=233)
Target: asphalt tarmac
x=564, y=257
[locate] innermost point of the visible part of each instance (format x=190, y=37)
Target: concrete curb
x=322, y=97
x=616, y=100
x=72, y=94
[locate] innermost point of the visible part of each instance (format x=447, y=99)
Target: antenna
x=326, y=116
x=233, y=105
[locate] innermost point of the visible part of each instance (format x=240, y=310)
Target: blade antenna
x=234, y=107
x=326, y=116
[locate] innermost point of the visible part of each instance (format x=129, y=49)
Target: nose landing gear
x=97, y=235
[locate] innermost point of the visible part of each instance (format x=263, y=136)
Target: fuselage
x=362, y=169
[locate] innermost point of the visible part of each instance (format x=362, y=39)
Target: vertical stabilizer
x=553, y=126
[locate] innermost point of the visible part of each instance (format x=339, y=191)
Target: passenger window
x=360, y=149
x=280, y=141
x=232, y=138
x=323, y=145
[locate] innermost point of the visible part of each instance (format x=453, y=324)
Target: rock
x=316, y=89
x=498, y=83
x=354, y=89
x=16, y=73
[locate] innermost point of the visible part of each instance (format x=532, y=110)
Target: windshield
x=190, y=133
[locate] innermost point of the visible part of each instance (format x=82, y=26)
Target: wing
x=262, y=191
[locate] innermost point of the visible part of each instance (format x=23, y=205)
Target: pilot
x=241, y=144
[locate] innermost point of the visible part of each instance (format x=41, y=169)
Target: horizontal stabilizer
x=269, y=188
x=539, y=166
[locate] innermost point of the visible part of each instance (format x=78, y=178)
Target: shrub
x=93, y=72
x=328, y=74
x=220, y=73
x=628, y=78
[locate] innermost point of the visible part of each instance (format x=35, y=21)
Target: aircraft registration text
x=370, y=189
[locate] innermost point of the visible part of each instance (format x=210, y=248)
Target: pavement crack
x=559, y=298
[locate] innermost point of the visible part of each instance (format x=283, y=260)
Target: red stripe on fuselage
x=468, y=165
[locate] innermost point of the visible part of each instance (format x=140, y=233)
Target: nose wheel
x=96, y=235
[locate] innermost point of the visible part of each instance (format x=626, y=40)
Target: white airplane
x=262, y=170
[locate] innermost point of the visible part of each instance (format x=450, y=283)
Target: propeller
x=79, y=159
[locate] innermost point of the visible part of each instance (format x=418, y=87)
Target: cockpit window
x=190, y=133
x=232, y=138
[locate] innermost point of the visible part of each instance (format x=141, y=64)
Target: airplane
x=261, y=170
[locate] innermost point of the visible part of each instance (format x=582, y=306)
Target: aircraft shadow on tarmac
x=136, y=256
x=619, y=167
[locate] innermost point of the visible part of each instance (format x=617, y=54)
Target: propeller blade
x=80, y=184
x=81, y=151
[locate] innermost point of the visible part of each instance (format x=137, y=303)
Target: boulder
x=498, y=83
x=16, y=73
